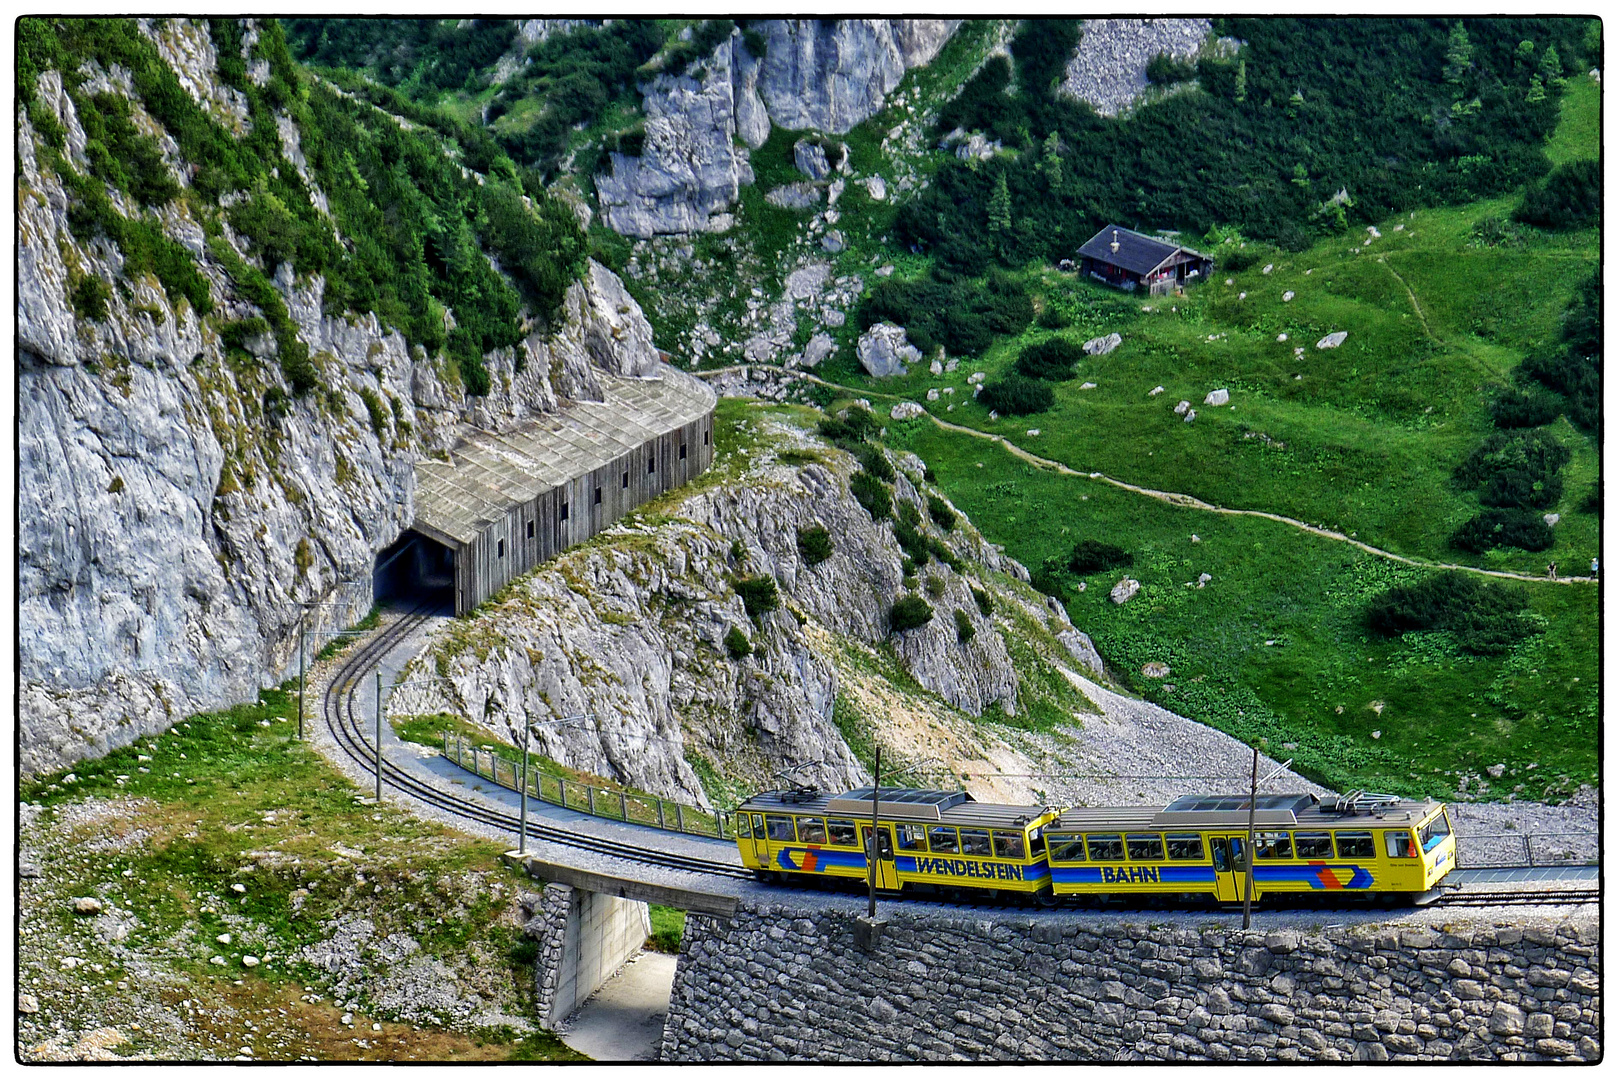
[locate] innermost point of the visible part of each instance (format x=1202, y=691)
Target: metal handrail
x=613, y=804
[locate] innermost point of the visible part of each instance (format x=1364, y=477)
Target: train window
x=1355, y=845
x=1400, y=845
x=912, y=837
x=780, y=828
x=1272, y=845
x=1313, y=845
x=1185, y=846
x=758, y=826
x=840, y=831
x=1146, y=847
x=1433, y=833
x=1009, y=845
x=1105, y=848
x=976, y=842
x=812, y=830
x=1065, y=848
x=943, y=840
x=742, y=829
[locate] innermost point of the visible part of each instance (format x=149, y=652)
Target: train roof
x=1271, y=811
x=895, y=803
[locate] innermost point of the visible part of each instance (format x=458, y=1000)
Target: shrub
x=909, y=613
x=1519, y=409
x=1503, y=528
x=1092, y=556
x=1591, y=503
x=1052, y=358
x=857, y=424
x=373, y=405
x=914, y=544
x=1164, y=70
x=939, y=511
x=984, y=602
x=943, y=554
x=872, y=494
x=736, y=643
x=814, y=545
x=1045, y=580
x=935, y=586
x=964, y=630
x=1052, y=317
x=89, y=298
x=1017, y=395
x=1572, y=367
x=909, y=515
x=1516, y=468
x=1485, y=619
x=759, y=595
x=1570, y=198
x=875, y=462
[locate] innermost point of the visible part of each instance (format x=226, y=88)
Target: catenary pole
x=876, y=789
x=522, y=813
x=1252, y=806
x=302, y=615
x=379, y=735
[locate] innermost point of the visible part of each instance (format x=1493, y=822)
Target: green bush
x=935, y=586
x=962, y=315
x=1591, y=503
x=1054, y=359
x=964, y=630
x=374, y=406
x=89, y=298
x=1017, y=395
x=875, y=462
x=1485, y=619
x=984, y=602
x=1045, y=580
x=271, y=230
x=1503, y=528
x=872, y=494
x=857, y=424
x=1519, y=409
x=913, y=543
x=940, y=512
x=909, y=613
x=1572, y=367
x=759, y=595
x=1570, y=198
x=1092, y=556
x=814, y=545
x=1516, y=469
x=736, y=643
x=1165, y=70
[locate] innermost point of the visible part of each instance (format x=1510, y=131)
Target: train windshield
x=1433, y=833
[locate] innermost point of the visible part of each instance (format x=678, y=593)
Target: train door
x=1230, y=865
x=761, y=844
x=887, y=875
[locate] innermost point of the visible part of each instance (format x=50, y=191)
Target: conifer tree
x=1000, y=212
x=1458, y=57
x=1241, y=80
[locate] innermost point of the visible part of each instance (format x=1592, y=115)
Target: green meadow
x=1363, y=439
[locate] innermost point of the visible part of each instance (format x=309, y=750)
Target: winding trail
x=1173, y=498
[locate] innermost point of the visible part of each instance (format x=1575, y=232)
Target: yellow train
x=1194, y=847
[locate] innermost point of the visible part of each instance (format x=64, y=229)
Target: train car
x=1196, y=846
x=925, y=840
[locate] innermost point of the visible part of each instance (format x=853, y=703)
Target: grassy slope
x=1364, y=442
x=237, y=799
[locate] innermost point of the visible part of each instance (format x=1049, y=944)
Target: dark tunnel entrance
x=415, y=570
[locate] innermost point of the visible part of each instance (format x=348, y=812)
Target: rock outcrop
x=172, y=527
x=830, y=74
x=820, y=74
x=884, y=350
x=633, y=627
x=689, y=170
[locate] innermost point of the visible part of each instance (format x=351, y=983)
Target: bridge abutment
x=584, y=937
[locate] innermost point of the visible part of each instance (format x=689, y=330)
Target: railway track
x=1518, y=899
x=348, y=731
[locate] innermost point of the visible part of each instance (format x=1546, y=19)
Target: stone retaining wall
x=780, y=982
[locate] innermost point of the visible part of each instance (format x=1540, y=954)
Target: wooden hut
x=1128, y=260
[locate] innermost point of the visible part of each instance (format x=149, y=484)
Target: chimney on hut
x=1114, y=244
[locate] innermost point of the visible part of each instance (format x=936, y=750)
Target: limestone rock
x=877, y=189
x=1217, y=397
x=883, y=350
x=1190, y=416
x=834, y=242
x=1101, y=346
x=830, y=74
x=1125, y=589
x=27, y=1004
x=1286, y=297
x=798, y=195
x=87, y=905
x=1332, y=340
x=906, y=410
x=936, y=367
x=1154, y=391
x=1082, y=649
x=885, y=271
x=1552, y=519
x=810, y=158
x=819, y=348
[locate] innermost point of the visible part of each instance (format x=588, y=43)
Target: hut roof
x=489, y=472
x=1136, y=253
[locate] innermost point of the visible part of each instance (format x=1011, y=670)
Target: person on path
x=1595, y=567
x=1550, y=571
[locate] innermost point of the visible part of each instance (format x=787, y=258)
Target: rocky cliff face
x=178, y=505
x=1108, y=69
x=631, y=628
x=820, y=74
x=689, y=168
